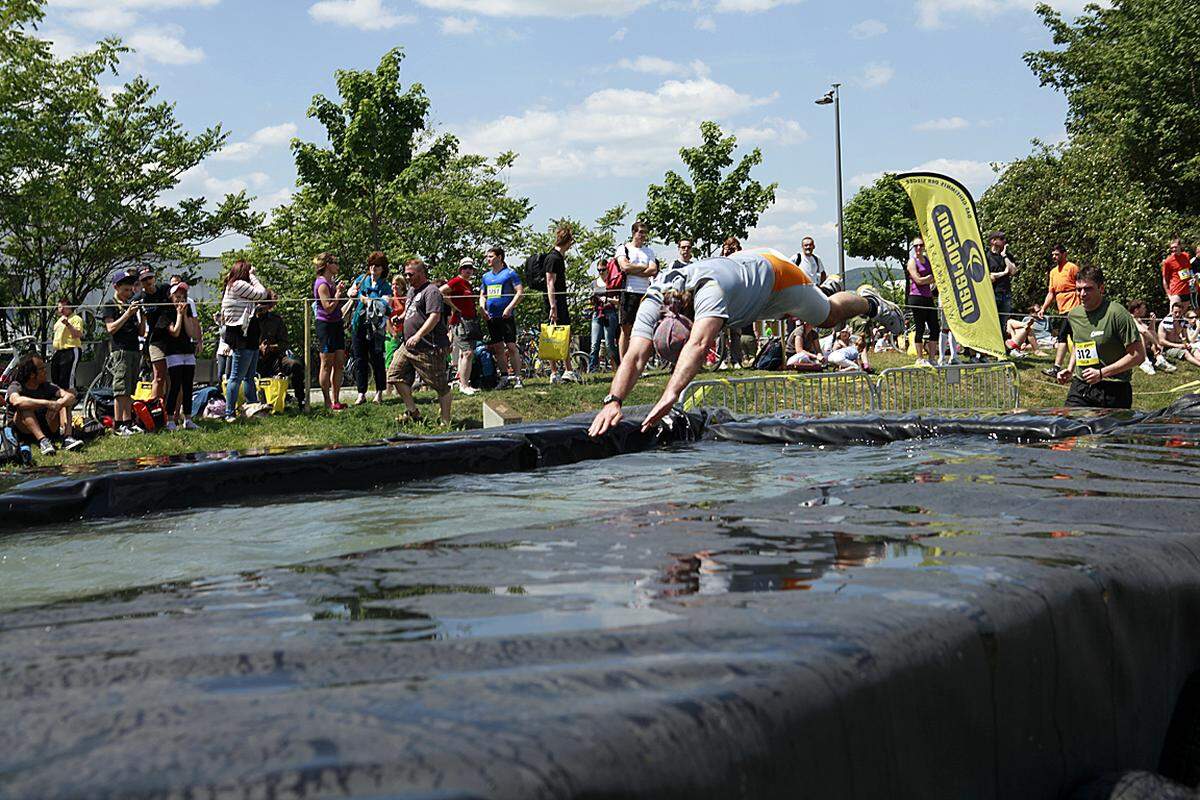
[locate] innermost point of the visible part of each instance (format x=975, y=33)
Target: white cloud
x=942, y=124
x=751, y=6
x=618, y=35
x=975, y=175
x=164, y=46
x=592, y=138
x=269, y=202
x=868, y=29
x=774, y=130
x=932, y=13
x=109, y=18
x=536, y=8
x=653, y=65
x=237, y=151
x=458, y=26
x=275, y=134
x=876, y=74
x=62, y=43
x=705, y=24
x=366, y=15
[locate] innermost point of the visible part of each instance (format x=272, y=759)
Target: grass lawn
x=537, y=401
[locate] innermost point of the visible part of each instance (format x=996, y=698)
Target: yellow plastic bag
x=276, y=390
x=144, y=390
x=554, y=344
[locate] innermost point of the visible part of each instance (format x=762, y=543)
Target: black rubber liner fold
x=1027, y=426
x=120, y=489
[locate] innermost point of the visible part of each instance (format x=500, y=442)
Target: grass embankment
x=537, y=401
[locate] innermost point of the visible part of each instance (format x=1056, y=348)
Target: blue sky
x=598, y=95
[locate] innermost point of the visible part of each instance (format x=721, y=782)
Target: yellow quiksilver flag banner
x=950, y=227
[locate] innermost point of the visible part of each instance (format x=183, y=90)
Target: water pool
x=58, y=562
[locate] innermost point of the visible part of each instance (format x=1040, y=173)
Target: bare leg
x=339, y=366
x=123, y=408
x=405, y=392
x=843, y=306
x=514, y=357
x=445, y=401
x=465, y=359
x=623, y=342
x=325, y=375
x=1060, y=354
x=66, y=425
x=27, y=421
x=160, y=381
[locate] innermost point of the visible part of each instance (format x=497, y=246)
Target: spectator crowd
x=405, y=331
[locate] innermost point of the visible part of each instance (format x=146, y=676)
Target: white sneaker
x=47, y=447
x=516, y=383
x=467, y=390
x=1162, y=363
x=1147, y=368
x=188, y=425
x=71, y=443
x=555, y=379
x=921, y=362
x=889, y=315
x=571, y=375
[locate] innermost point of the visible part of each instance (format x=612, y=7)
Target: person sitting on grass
x=806, y=343
x=1174, y=334
x=41, y=410
x=1147, y=326
x=1021, y=334
x=846, y=355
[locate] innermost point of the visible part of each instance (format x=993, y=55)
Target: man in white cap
x=465, y=331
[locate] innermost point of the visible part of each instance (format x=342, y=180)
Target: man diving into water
x=731, y=291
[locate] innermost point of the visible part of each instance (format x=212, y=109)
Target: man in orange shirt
x=1177, y=276
x=1062, y=292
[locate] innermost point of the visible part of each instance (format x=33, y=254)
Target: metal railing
x=966, y=386
x=827, y=393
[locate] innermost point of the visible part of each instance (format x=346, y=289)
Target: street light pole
x=834, y=96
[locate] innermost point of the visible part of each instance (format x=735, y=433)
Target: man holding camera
x=125, y=324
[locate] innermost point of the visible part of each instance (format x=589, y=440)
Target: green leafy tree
x=1131, y=76
x=82, y=176
x=592, y=245
x=1084, y=196
x=384, y=182
x=880, y=222
x=717, y=202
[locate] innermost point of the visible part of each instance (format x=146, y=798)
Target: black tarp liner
x=124, y=490
x=880, y=428
x=1009, y=624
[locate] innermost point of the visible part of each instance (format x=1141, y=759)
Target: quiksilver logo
x=964, y=263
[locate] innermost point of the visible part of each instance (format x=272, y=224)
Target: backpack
x=150, y=414
x=483, y=370
x=533, y=274
x=770, y=357
x=614, y=277
x=10, y=448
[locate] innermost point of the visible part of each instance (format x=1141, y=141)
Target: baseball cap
x=123, y=276
x=145, y=272
x=179, y=286
x=467, y=262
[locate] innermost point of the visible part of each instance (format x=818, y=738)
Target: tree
x=592, y=244
x=719, y=202
x=880, y=222
x=1081, y=195
x=82, y=176
x=384, y=182
x=1131, y=76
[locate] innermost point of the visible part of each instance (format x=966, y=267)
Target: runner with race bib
x=1107, y=346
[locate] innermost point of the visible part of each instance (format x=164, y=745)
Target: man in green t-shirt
x=1107, y=346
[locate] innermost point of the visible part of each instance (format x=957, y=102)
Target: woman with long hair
x=555, y=305
x=181, y=348
x=920, y=297
x=331, y=336
x=369, y=297
x=242, y=291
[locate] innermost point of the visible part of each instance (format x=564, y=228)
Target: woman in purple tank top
x=920, y=298
x=331, y=336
